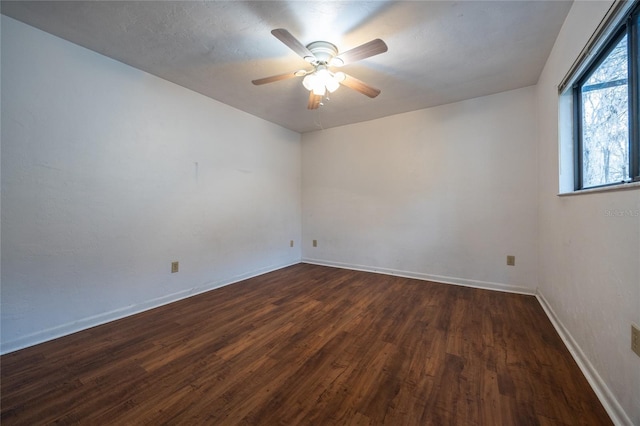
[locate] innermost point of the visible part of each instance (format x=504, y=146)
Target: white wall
x=109, y=174
x=589, y=259
x=444, y=193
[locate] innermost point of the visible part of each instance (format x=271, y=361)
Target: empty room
x=324, y=213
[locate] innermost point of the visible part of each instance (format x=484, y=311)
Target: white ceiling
x=439, y=51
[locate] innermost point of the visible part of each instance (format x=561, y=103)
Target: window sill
x=610, y=188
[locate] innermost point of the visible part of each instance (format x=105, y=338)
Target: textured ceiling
x=439, y=51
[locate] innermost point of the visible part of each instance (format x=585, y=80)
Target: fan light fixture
x=322, y=80
x=321, y=55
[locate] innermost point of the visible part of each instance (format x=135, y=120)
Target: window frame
x=629, y=26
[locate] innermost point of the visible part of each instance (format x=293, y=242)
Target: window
x=607, y=110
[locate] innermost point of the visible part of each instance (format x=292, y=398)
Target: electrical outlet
x=315, y=243
x=291, y=243
x=511, y=260
x=635, y=339
x=175, y=267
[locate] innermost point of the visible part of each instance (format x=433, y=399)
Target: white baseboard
x=103, y=318
x=606, y=397
x=426, y=277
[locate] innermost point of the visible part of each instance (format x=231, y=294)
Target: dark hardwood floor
x=310, y=345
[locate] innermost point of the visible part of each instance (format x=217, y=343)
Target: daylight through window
x=607, y=111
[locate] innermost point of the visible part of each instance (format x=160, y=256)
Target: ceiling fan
x=322, y=55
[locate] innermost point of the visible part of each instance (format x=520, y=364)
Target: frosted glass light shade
x=332, y=84
x=309, y=81
x=318, y=90
x=322, y=80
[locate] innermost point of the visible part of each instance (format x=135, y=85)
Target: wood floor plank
x=309, y=345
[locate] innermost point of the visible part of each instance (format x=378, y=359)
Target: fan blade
x=372, y=48
x=360, y=86
x=275, y=78
x=293, y=44
x=314, y=100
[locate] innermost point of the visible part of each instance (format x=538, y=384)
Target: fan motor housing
x=323, y=50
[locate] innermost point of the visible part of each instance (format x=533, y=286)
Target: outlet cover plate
x=175, y=267
x=635, y=339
